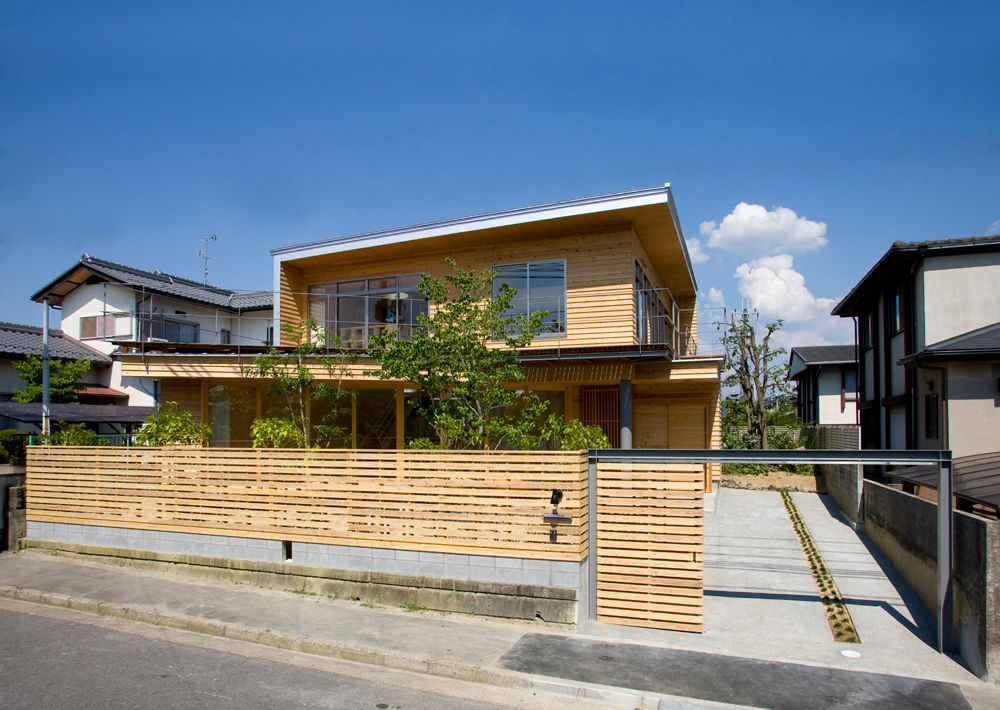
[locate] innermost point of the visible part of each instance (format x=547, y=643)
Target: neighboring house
x=109, y=307
x=927, y=322
x=826, y=383
x=17, y=341
x=619, y=350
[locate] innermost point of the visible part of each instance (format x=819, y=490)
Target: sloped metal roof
x=902, y=254
x=980, y=344
x=825, y=354
x=17, y=339
x=975, y=477
x=156, y=282
x=31, y=413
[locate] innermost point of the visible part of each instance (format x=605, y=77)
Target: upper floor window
x=540, y=286
x=652, y=319
x=896, y=310
x=866, y=325
x=356, y=310
x=157, y=326
x=106, y=325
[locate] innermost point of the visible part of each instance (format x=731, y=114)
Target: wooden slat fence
x=444, y=501
x=650, y=543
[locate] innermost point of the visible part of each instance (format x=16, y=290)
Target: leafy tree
x=291, y=377
x=461, y=375
x=169, y=426
x=759, y=373
x=63, y=375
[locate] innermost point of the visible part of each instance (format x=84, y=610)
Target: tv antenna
x=204, y=253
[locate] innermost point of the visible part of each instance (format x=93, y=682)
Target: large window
x=540, y=286
x=356, y=310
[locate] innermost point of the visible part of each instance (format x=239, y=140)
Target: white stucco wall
x=957, y=294
x=94, y=300
x=829, y=398
x=973, y=408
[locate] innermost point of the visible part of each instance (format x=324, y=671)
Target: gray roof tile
x=17, y=339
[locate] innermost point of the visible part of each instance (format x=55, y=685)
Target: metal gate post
x=945, y=552
x=592, y=536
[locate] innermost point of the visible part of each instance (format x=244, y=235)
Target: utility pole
x=45, y=367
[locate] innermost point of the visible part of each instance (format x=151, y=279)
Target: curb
x=447, y=668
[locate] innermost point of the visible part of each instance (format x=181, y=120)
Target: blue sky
x=128, y=130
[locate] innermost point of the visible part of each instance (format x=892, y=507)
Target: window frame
x=329, y=292
x=563, y=321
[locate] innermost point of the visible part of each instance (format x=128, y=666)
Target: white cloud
x=695, y=251
x=714, y=297
x=776, y=290
x=753, y=229
x=994, y=228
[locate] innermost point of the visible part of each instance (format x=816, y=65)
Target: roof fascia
x=42, y=293
x=489, y=220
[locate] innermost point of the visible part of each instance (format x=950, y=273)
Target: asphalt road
x=59, y=658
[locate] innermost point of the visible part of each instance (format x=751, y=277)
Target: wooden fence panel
x=650, y=544
x=444, y=501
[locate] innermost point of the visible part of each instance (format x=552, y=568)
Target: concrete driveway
x=761, y=601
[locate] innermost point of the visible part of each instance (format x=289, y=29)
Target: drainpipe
x=625, y=410
x=45, y=367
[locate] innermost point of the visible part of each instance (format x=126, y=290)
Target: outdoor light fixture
x=554, y=518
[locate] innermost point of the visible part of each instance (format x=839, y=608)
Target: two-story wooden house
x=619, y=348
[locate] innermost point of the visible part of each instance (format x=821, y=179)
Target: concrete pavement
x=766, y=640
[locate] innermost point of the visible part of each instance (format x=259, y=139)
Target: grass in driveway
x=837, y=614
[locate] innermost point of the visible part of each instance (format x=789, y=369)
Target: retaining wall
x=904, y=527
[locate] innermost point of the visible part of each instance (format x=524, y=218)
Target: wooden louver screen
x=650, y=542
x=601, y=406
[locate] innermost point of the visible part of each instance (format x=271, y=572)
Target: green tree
x=291, y=377
x=758, y=372
x=455, y=361
x=169, y=426
x=63, y=375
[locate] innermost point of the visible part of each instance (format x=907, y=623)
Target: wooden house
x=620, y=348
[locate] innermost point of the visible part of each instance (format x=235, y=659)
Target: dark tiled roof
x=93, y=413
x=17, y=339
x=166, y=284
x=975, y=477
x=902, y=254
x=825, y=354
x=982, y=343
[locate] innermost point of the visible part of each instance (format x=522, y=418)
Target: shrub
x=573, y=435
x=12, y=444
x=276, y=433
x=77, y=434
x=171, y=427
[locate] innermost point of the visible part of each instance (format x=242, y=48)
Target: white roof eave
x=489, y=220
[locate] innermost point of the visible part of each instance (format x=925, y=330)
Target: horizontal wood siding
x=444, y=501
x=650, y=545
x=599, y=275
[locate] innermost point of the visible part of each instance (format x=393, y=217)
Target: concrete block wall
x=474, y=568
x=904, y=527
x=242, y=548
